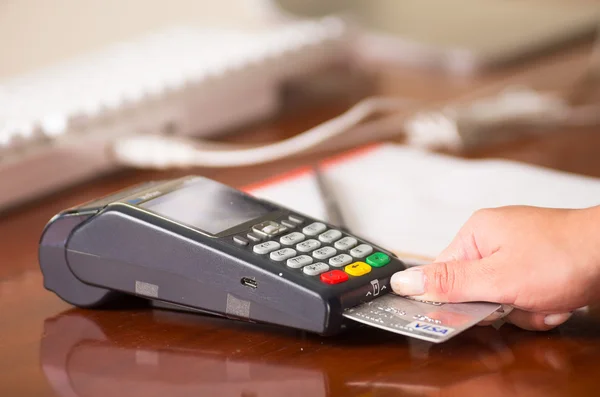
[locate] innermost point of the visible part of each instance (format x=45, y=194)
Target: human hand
x=543, y=262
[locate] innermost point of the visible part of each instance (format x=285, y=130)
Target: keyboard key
x=254, y=237
x=266, y=247
x=340, y=260
x=282, y=254
x=346, y=243
x=240, y=240
x=265, y=227
x=378, y=259
x=308, y=245
x=314, y=228
x=299, y=261
x=296, y=219
x=288, y=224
x=334, y=277
x=268, y=228
x=324, y=253
x=292, y=238
x=330, y=236
x=361, y=251
x=315, y=269
x=357, y=269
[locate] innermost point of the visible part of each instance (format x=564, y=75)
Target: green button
x=378, y=259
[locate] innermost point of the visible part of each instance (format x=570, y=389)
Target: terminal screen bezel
x=146, y=201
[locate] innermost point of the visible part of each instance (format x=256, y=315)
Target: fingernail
x=553, y=320
x=409, y=282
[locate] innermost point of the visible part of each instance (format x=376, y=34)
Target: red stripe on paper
x=302, y=171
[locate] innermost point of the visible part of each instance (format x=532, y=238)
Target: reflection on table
x=84, y=355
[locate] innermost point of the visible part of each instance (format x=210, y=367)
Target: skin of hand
x=543, y=262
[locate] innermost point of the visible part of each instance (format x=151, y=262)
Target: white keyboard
x=56, y=124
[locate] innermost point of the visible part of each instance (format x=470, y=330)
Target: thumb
x=452, y=281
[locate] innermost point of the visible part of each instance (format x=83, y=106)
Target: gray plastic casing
x=108, y=251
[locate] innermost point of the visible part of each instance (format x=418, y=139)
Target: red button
x=334, y=277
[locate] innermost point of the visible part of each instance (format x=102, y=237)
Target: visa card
x=431, y=321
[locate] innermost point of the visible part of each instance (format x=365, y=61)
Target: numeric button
x=346, y=243
x=361, y=251
x=315, y=269
x=282, y=254
x=266, y=247
x=324, y=253
x=292, y=238
x=330, y=236
x=314, y=228
x=299, y=261
x=308, y=245
x=340, y=260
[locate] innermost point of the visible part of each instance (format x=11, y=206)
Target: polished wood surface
x=48, y=348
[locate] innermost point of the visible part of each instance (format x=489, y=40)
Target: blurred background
x=35, y=34
x=80, y=79
x=38, y=33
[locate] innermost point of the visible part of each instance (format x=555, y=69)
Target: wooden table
x=48, y=348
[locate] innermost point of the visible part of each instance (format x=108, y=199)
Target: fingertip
x=537, y=321
x=408, y=282
x=554, y=320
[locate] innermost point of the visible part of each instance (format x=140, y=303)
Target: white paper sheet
x=411, y=201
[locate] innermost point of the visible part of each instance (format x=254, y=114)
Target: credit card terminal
x=201, y=245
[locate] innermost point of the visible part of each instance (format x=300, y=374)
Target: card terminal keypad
x=254, y=237
x=346, y=243
x=299, y=261
x=240, y=240
x=315, y=250
x=292, y=238
x=308, y=245
x=361, y=251
x=324, y=253
x=340, y=260
x=248, y=259
x=269, y=229
x=282, y=254
x=265, y=248
x=330, y=236
x=314, y=229
x=296, y=219
x=315, y=269
x=288, y=224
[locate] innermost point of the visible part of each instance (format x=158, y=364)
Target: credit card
x=431, y=321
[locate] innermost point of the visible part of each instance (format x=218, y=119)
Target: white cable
x=452, y=128
x=155, y=151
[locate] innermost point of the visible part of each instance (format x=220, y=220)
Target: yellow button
x=357, y=269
